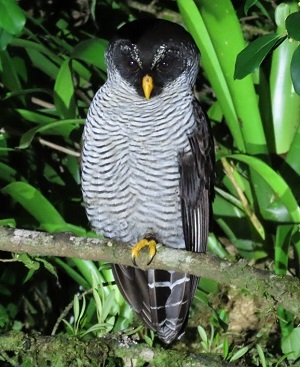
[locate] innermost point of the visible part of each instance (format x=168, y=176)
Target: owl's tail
x=161, y=298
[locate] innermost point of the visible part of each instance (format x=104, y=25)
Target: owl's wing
x=197, y=183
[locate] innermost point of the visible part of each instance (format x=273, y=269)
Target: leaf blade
x=249, y=59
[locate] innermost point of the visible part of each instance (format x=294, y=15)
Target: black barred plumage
x=148, y=164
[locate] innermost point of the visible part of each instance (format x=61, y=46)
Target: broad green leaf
x=63, y=128
x=7, y=173
x=282, y=246
x=36, y=204
x=215, y=246
x=5, y=38
x=88, y=269
x=34, y=116
x=220, y=39
x=291, y=344
x=285, y=102
x=64, y=92
x=296, y=243
x=295, y=70
x=196, y=26
x=28, y=45
x=73, y=273
x=249, y=249
x=253, y=55
x=293, y=25
x=282, y=11
x=92, y=52
x=276, y=182
x=10, y=78
x=286, y=321
x=12, y=17
x=42, y=62
x=24, y=92
x=290, y=169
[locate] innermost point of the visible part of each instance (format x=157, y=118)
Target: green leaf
x=212, y=65
x=291, y=344
x=64, y=97
x=282, y=11
x=292, y=24
x=217, y=248
x=28, y=45
x=12, y=17
x=248, y=5
x=10, y=77
x=9, y=222
x=62, y=128
x=220, y=39
x=295, y=70
x=261, y=355
x=282, y=246
x=48, y=266
x=5, y=38
x=7, y=173
x=253, y=55
x=24, y=92
x=91, y=51
x=276, y=182
x=34, y=116
x=37, y=205
x=42, y=62
x=285, y=102
x=73, y=273
x=76, y=308
x=202, y=334
x=237, y=355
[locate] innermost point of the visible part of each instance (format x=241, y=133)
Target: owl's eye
x=164, y=65
x=132, y=65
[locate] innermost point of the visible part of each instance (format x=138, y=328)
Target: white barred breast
x=130, y=176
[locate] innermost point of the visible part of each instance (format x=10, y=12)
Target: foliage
x=51, y=64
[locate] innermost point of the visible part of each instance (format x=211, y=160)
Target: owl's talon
x=135, y=251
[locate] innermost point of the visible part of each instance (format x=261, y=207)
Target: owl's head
x=152, y=54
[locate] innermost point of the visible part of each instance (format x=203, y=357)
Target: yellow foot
x=143, y=243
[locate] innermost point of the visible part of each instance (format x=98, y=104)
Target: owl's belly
x=130, y=175
x=128, y=194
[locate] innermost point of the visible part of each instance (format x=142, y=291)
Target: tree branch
x=65, y=351
x=277, y=290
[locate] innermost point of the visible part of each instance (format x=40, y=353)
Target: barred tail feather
x=161, y=298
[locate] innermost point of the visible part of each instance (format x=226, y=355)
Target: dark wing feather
x=197, y=183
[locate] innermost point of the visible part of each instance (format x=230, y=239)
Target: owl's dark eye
x=132, y=66
x=164, y=65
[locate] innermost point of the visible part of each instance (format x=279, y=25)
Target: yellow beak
x=147, y=84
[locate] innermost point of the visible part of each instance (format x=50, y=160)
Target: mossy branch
x=277, y=290
x=66, y=351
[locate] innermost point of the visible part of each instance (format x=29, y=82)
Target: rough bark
x=277, y=290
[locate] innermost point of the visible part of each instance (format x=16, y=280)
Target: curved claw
x=141, y=244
